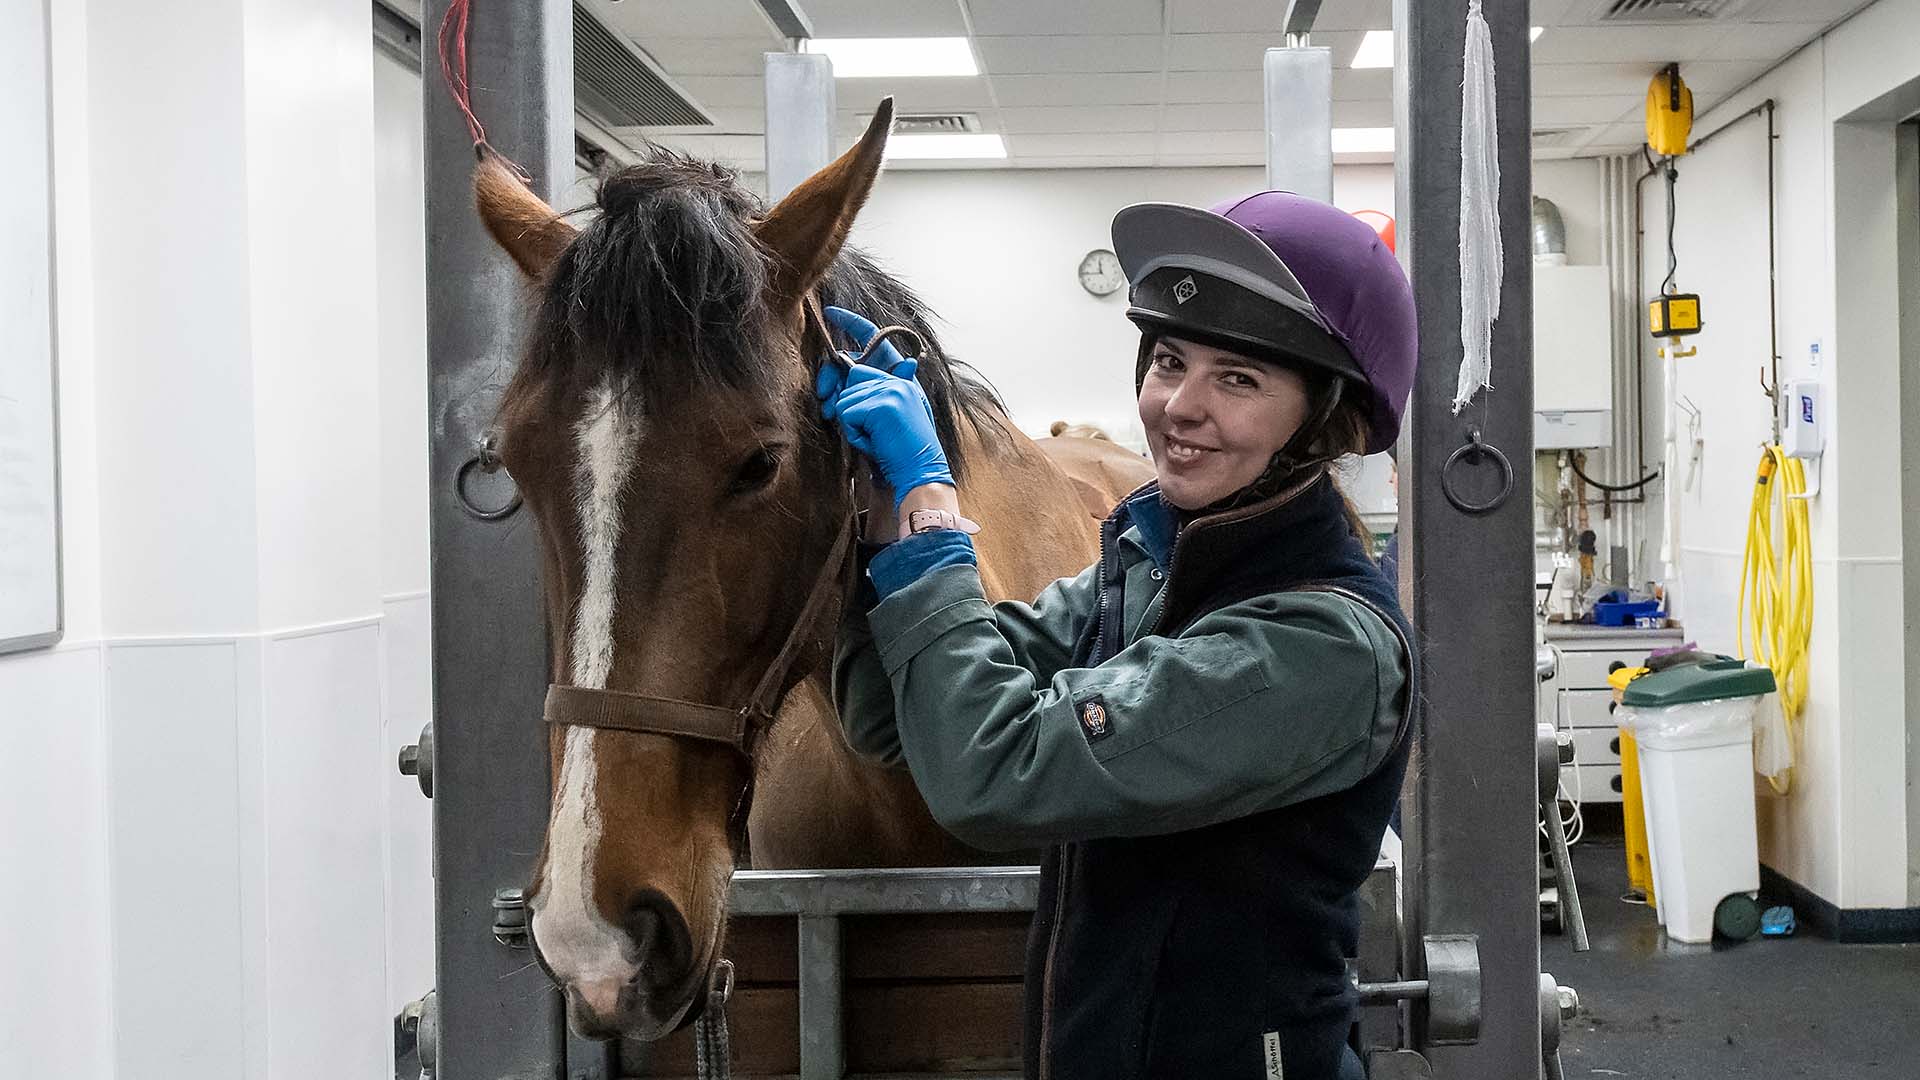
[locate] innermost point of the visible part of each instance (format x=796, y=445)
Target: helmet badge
x=1184, y=289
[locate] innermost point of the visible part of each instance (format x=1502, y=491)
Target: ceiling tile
x=1217, y=117
x=1017, y=17
x=1061, y=54
x=1077, y=118
x=1619, y=44
x=1218, y=52
x=1215, y=160
x=1226, y=16
x=686, y=18
x=913, y=95
x=724, y=91
x=1202, y=87
x=1825, y=11
x=1721, y=75
x=1033, y=90
x=1615, y=139
x=1100, y=145
x=710, y=56
x=1572, y=111
x=1213, y=142
x=739, y=121
x=1763, y=41
x=1555, y=12
x=1590, y=79
x=1364, y=85
x=1353, y=15
x=1138, y=161
x=1374, y=113
x=895, y=18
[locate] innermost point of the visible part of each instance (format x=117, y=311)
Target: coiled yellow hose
x=1776, y=587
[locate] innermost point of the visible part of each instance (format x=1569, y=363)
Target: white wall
x=996, y=254
x=1842, y=831
x=196, y=779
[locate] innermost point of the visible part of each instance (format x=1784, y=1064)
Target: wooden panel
x=954, y=946
x=902, y=1029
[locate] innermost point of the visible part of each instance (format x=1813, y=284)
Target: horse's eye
x=756, y=471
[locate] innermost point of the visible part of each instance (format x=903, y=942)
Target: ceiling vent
x=932, y=123
x=1555, y=138
x=1669, y=11
x=619, y=85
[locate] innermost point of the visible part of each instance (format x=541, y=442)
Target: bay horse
x=690, y=504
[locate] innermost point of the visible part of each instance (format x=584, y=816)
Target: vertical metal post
x=822, y=1047
x=497, y=1017
x=1299, y=88
x=1471, y=823
x=800, y=115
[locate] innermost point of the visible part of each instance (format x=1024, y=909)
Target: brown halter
x=738, y=728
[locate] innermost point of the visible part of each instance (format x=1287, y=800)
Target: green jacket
x=1300, y=694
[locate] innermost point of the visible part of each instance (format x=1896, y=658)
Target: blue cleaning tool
x=1777, y=922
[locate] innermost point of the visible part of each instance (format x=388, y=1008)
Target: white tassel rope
x=1480, y=259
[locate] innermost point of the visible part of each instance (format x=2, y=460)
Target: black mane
x=666, y=291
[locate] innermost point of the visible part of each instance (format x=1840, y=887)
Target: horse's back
x=1102, y=472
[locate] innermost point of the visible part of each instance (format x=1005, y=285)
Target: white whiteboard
x=29, y=449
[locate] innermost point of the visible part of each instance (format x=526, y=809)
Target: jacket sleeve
x=1040, y=636
x=1264, y=703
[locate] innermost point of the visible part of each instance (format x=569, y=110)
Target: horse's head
x=663, y=432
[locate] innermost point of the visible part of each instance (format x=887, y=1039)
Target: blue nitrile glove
x=882, y=411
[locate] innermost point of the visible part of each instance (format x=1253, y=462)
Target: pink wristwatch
x=919, y=521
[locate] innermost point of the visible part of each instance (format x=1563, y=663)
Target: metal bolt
x=510, y=918
x=416, y=760
x=410, y=760
x=1569, y=1002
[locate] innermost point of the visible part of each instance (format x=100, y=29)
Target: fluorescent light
x=1375, y=140
x=931, y=146
x=1375, y=51
x=874, y=58
x=1376, y=47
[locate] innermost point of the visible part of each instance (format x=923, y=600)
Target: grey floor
x=1767, y=1008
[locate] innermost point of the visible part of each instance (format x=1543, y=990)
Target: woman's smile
x=1215, y=418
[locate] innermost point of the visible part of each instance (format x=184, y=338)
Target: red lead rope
x=452, y=42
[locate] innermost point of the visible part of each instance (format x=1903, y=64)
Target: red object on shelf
x=1382, y=224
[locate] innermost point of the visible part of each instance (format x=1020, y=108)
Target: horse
x=694, y=514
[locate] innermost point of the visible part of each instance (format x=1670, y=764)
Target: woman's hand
x=882, y=412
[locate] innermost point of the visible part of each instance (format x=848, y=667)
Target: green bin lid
x=1711, y=681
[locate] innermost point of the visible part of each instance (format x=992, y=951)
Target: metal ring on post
x=1475, y=447
x=486, y=458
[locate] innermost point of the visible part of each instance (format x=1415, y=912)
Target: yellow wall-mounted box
x=1674, y=314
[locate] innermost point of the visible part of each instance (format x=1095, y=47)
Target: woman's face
x=1215, y=418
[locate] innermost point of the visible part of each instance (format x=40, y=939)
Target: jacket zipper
x=1066, y=859
x=1053, y=945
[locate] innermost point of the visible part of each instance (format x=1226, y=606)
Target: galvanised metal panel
x=1472, y=819
x=498, y=1017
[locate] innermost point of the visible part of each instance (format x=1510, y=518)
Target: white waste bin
x=1694, y=729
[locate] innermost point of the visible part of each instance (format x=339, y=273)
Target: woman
x=1206, y=728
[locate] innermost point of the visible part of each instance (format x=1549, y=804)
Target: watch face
x=1100, y=272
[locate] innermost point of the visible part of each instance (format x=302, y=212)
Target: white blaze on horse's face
x=585, y=951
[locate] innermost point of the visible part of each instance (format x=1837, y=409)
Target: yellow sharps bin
x=1632, y=811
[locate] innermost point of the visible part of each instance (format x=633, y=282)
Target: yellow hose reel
x=1669, y=113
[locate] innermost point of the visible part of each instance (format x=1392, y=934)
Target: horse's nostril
x=659, y=933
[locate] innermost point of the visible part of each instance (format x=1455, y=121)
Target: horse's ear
x=521, y=223
x=805, y=231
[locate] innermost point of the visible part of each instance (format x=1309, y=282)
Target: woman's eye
x=1167, y=361
x=1242, y=380
x=755, y=472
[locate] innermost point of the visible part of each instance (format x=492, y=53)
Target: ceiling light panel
x=1375, y=51
x=877, y=58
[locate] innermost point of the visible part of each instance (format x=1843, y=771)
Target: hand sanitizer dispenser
x=1803, y=427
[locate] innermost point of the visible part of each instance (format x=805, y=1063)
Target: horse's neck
x=1033, y=523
